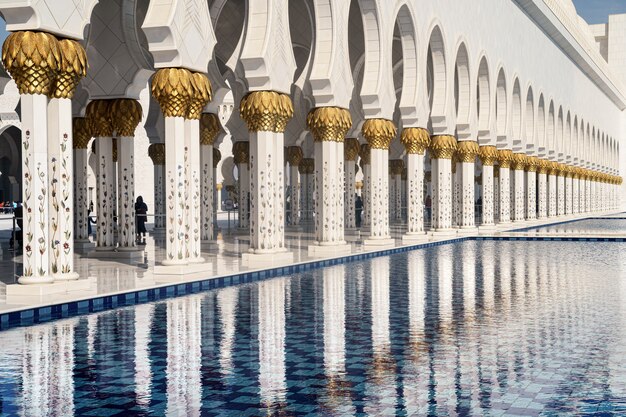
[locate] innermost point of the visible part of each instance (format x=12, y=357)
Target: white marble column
x=519, y=197
x=193, y=222
x=505, y=157
x=209, y=129
x=560, y=181
x=542, y=178
x=568, y=192
x=82, y=137
x=396, y=166
x=442, y=150
x=496, y=193
x=467, y=151
x=351, y=151
x=415, y=141
x=241, y=154
x=488, y=156
x=364, y=154
x=305, y=170
x=576, y=191
x=552, y=190
x=531, y=188
x=587, y=191
x=378, y=133
x=456, y=192
x=156, y=151
x=295, y=156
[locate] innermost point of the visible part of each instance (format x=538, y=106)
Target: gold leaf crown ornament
x=329, y=124
x=365, y=153
x=518, y=162
x=209, y=128
x=241, y=152
x=200, y=95
x=351, y=149
x=217, y=157
x=488, y=155
x=98, y=114
x=467, y=151
x=543, y=166
x=171, y=88
x=532, y=163
x=81, y=133
x=415, y=140
x=32, y=59
x=266, y=111
x=125, y=116
x=72, y=68
x=442, y=147
x=294, y=155
x=505, y=157
x=379, y=133
x=553, y=168
x=156, y=152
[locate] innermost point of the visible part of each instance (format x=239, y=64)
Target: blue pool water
x=475, y=328
x=586, y=226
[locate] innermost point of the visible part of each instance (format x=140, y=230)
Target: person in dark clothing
x=358, y=208
x=141, y=213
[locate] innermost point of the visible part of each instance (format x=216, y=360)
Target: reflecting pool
x=606, y=226
x=476, y=328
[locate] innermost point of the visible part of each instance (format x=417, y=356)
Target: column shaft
x=560, y=195
x=208, y=191
x=543, y=197
x=378, y=186
x=487, y=187
x=159, y=196
x=295, y=194
x=531, y=195
x=244, y=193
x=505, y=195
x=467, y=201
x=105, y=171
x=126, y=192
x=415, y=194
x=349, y=191
x=176, y=227
x=519, y=196
x=441, y=180
x=552, y=195
x=81, y=165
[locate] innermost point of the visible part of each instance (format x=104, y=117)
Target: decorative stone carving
x=365, y=153
x=531, y=163
x=200, y=95
x=518, y=161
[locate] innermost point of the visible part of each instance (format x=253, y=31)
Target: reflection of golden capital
x=200, y=95
x=171, y=88
x=378, y=133
x=396, y=166
x=488, y=155
x=241, y=152
x=442, y=147
x=266, y=111
x=467, y=151
x=81, y=133
x=32, y=59
x=518, y=161
x=98, y=114
x=209, y=128
x=156, y=152
x=351, y=149
x=329, y=124
x=415, y=140
x=125, y=116
x=532, y=163
x=217, y=157
x=72, y=68
x=294, y=155
x=505, y=157
x=364, y=153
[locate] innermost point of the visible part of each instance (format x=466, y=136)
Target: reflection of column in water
x=444, y=366
x=227, y=305
x=445, y=268
x=184, y=389
x=520, y=276
x=503, y=274
x=468, y=256
x=47, y=369
x=92, y=329
x=272, y=384
x=143, y=374
x=338, y=401
x=486, y=339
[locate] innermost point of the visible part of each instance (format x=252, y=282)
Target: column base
x=117, y=254
x=467, y=230
x=443, y=233
x=253, y=260
x=182, y=268
x=379, y=242
x=198, y=260
x=48, y=280
x=318, y=251
x=39, y=289
x=487, y=228
x=409, y=239
x=71, y=276
x=83, y=245
x=104, y=248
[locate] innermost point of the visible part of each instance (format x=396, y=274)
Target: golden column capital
x=428, y=175
x=329, y=124
x=241, y=152
x=543, y=166
x=294, y=155
x=81, y=133
x=505, y=157
x=518, y=161
x=553, y=168
x=396, y=166
x=379, y=133
x=217, y=157
x=125, y=116
x=218, y=186
x=209, y=128
x=488, y=155
x=358, y=185
x=98, y=114
x=200, y=95
x=496, y=171
x=351, y=149
x=443, y=147
x=266, y=111
x=307, y=166
x=73, y=67
x=171, y=88
x=364, y=153
x=531, y=163
x=32, y=59
x=156, y=152
x=415, y=140
x=467, y=151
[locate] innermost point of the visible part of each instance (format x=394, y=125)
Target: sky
x=597, y=11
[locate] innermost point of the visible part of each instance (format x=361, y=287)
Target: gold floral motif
x=488, y=155
x=209, y=128
x=217, y=157
x=532, y=163
x=72, y=67
x=396, y=166
x=518, y=161
x=98, y=113
x=543, y=166
x=171, y=88
x=294, y=155
x=351, y=149
x=329, y=124
x=553, y=168
x=32, y=59
x=358, y=185
x=218, y=186
x=496, y=171
x=442, y=147
x=266, y=111
x=505, y=157
x=241, y=152
x=156, y=152
x=125, y=116
x=415, y=140
x=467, y=151
x=364, y=153
x=378, y=133
x=200, y=95
x=81, y=132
